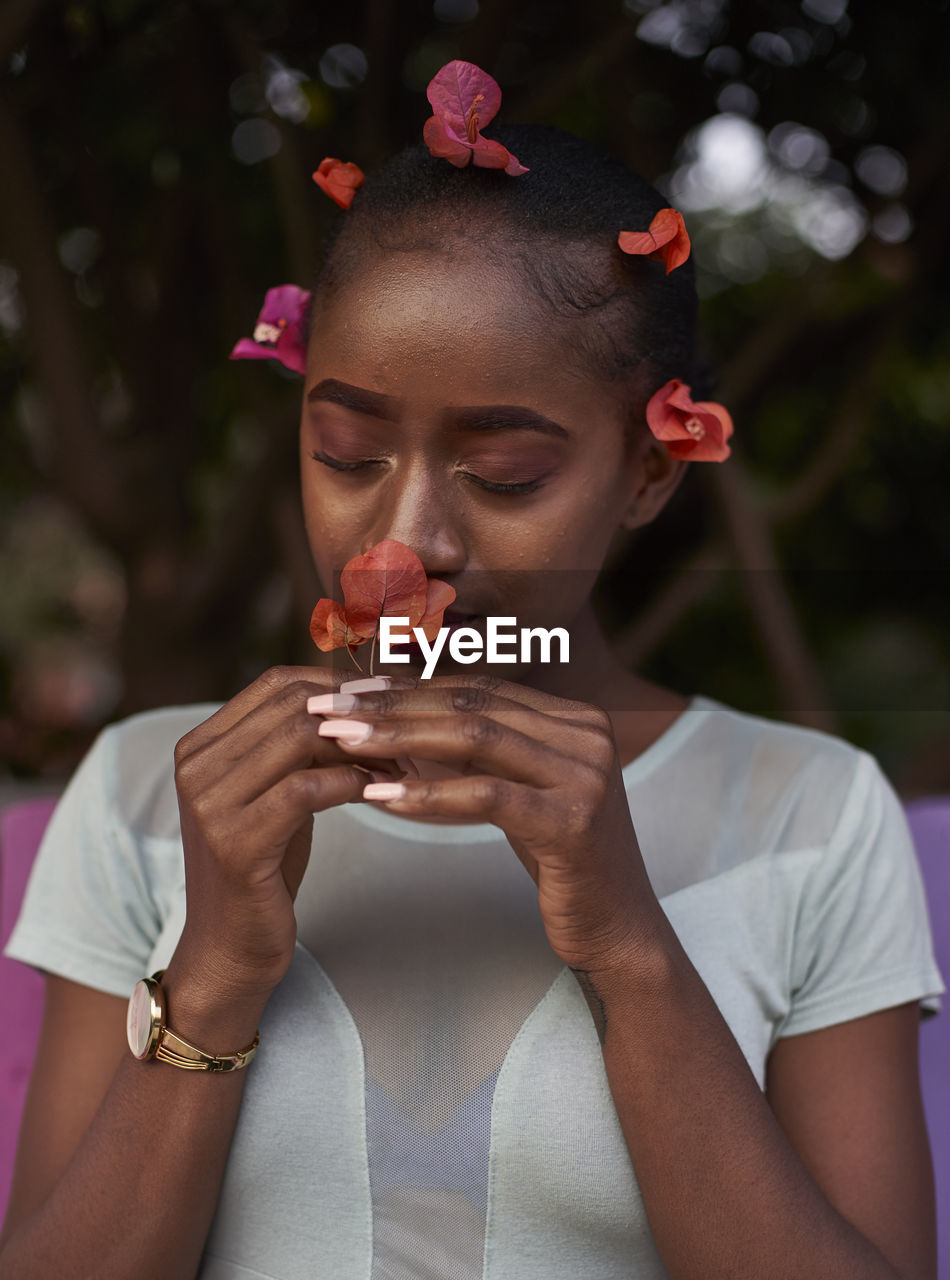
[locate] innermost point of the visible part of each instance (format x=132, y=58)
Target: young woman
x=597, y=979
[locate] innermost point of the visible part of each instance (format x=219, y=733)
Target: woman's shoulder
x=137, y=761
x=792, y=778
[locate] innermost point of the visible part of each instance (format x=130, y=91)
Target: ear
x=655, y=477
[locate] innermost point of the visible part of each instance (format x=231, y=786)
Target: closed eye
x=526, y=486
x=338, y=465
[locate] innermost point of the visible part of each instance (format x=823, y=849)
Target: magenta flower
x=280, y=332
x=463, y=98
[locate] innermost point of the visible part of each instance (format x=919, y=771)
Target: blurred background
x=155, y=161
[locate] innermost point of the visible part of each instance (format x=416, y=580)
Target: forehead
x=453, y=322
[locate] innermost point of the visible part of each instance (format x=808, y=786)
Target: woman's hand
x=249, y=780
x=543, y=769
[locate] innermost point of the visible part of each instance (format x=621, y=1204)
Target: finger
x=291, y=745
x=521, y=811
x=477, y=743
x=268, y=686
x=278, y=812
x=401, y=704
x=523, y=694
x=227, y=750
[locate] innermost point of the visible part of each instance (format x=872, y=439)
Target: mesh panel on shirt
x=439, y=953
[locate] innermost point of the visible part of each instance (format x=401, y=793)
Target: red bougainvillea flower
x=696, y=432
x=280, y=332
x=666, y=239
x=464, y=98
x=388, y=579
x=339, y=179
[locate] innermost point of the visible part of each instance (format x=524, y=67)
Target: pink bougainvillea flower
x=695, y=432
x=666, y=239
x=280, y=332
x=388, y=579
x=339, y=179
x=464, y=98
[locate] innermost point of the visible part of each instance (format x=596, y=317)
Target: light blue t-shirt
x=429, y=1100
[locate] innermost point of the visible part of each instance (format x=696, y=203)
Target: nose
x=418, y=511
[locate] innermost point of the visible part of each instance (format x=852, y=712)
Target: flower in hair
x=339, y=179
x=280, y=332
x=695, y=432
x=463, y=98
x=387, y=579
x=666, y=239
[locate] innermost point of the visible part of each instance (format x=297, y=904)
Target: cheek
x=590, y=513
x=333, y=525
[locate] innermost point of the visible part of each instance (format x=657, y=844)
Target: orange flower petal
x=328, y=627
x=694, y=431
x=439, y=596
x=339, y=179
x=666, y=240
x=389, y=578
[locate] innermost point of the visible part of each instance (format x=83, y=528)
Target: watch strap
x=179, y=1052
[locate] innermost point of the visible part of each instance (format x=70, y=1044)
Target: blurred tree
x=155, y=162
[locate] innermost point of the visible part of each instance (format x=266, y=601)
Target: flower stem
x=372, y=652
x=353, y=656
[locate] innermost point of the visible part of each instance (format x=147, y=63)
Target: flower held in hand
x=388, y=579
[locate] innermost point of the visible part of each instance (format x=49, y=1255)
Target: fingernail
x=324, y=704
x=383, y=791
x=368, y=685
x=350, y=732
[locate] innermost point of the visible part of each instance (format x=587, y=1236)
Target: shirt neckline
x=659, y=750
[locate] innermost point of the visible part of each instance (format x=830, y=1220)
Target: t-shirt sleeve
x=88, y=913
x=863, y=939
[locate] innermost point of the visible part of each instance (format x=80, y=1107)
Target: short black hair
x=572, y=203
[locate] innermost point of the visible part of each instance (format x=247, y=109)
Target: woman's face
x=441, y=410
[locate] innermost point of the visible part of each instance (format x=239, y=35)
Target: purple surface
x=929, y=820
x=21, y=988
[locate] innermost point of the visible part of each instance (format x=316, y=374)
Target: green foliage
x=169, y=148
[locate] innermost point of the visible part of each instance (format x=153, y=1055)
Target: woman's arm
x=835, y=1182
x=132, y=1177
x=134, y=1193
x=725, y=1190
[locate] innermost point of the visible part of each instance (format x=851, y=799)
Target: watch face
x=139, y=1021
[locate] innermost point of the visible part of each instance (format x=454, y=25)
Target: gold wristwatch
x=149, y=1035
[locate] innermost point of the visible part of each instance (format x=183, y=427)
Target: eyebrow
x=358, y=399
x=507, y=417
x=490, y=417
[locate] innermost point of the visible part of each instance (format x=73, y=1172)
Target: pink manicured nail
x=383, y=791
x=370, y=684
x=349, y=732
x=327, y=704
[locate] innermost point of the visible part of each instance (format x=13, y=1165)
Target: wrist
x=645, y=959
x=208, y=1014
